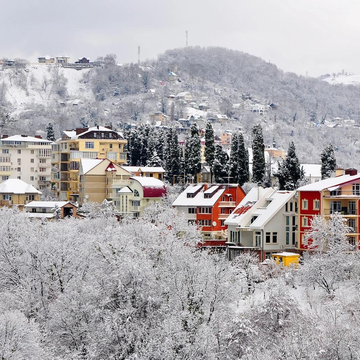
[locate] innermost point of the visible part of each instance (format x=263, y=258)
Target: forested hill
x=300, y=109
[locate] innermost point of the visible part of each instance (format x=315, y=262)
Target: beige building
x=17, y=192
x=26, y=158
x=85, y=143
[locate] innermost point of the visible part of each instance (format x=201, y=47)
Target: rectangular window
x=305, y=204
x=32, y=152
x=268, y=237
x=18, y=169
x=351, y=224
x=335, y=206
x=42, y=169
x=356, y=189
x=4, y=159
x=32, y=160
x=19, y=151
x=316, y=204
x=5, y=151
x=205, y=210
x=222, y=223
x=7, y=197
x=4, y=168
x=42, y=161
x=192, y=210
x=291, y=207
x=204, y=222
x=89, y=145
x=31, y=178
x=19, y=161
x=274, y=237
x=305, y=221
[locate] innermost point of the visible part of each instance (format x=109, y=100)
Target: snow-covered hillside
x=345, y=79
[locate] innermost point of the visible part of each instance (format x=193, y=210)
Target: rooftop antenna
x=139, y=55
x=186, y=38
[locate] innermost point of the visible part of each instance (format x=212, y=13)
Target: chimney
x=351, y=171
x=339, y=172
x=5, y=136
x=38, y=137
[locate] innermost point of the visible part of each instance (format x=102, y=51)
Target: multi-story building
x=26, y=158
x=85, y=143
x=340, y=194
x=104, y=180
x=264, y=222
x=208, y=206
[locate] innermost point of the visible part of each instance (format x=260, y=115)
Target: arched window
x=136, y=193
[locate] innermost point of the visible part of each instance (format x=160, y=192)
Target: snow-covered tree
x=50, y=134
x=258, y=148
x=193, y=153
x=219, y=166
x=290, y=174
x=209, y=146
x=172, y=156
x=328, y=162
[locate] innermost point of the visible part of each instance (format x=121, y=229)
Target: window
x=31, y=178
x=274, y=237
x=136, y=202
x=7, y=197
x=335, y=206
x=351, y=224
x=5, y=151
x=18, y=169
x=32, y=152
x=136, y=193
x=5, y=159
x=42, y=169
x=110, y=146
x=291, y=207
x=19, y=177
x=32, y=169
x=19, y=151
x=222, y=223
x=205, y=210
x=268, y=237
x=305, y=221
x=305, y=204
x=19, y=161
x=191, y=210
x=4, y=168
x=352, y=207
x=258, y=239
x=89, y=145
x=204, y=222
x=42, y=161
x=32, y=160
x=3, y=178
x=316, y=204
x=356, y=189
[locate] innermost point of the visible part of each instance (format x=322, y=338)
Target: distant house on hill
x=83, y=60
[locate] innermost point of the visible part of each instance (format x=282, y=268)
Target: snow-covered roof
x=125, y=190
x=330, y=183
x=260, y=203
x=199, y=199
x=46, y=204
x=144, y=169
x=88, y=164
x=25, y=139
x=149, y=181
x=313, y=170
x=72, y=133
x=286, y=254
x=17, y=186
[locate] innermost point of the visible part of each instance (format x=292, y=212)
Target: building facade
x=84, y=143
x=340, y=194
x=208, y=206
x=264, y=222
x=26, y=158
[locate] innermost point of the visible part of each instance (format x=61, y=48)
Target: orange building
x=208, y=206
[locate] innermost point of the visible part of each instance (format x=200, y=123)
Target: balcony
x=342, y=211
x=355, y=193
x=223, y=216
x=227, y=204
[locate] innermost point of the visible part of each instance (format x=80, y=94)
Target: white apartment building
x=26, y=158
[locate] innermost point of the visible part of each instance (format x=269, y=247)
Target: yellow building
x=85, y=143
x=17, y=192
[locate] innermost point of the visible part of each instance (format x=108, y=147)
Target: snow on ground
x=346, y=79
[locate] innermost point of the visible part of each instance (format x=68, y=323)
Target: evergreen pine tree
x=50, y=132
x=233, y=161
x=193, y=153
x=290, y=173
x=328, y=162
x=219, y=166
x=243, y=162
x=258, y=148
x=172, y=156
x=209, y=146
x=154, y=160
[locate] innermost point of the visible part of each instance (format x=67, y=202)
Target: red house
x=208, y=206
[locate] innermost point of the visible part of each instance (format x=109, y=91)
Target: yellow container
x=286, y=258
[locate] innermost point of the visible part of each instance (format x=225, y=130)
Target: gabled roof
x=330, y=183
x=47, y=204
x=16, y=186
x=261, y=203
x=25, y=139
x=144, y=169
x=88, y=164
x=72, y=133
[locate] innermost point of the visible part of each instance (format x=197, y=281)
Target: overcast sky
x=313, y=36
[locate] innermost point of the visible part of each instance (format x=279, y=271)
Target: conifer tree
x=172, y=156
x=209, y=146
x=243, y=161
x=219, y=167
x=290, y=174
x=258, y=148
x=328, y=162
x=233, y=161
x=193, y=153
x=50, y=132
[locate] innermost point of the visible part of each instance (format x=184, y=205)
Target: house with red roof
x=340, y=194
x=208, y=206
